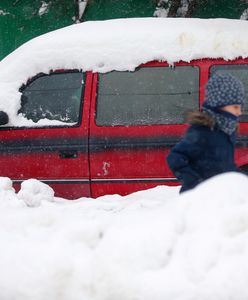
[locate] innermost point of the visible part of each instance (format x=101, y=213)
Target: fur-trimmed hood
x=200, y=118
x=205, y=119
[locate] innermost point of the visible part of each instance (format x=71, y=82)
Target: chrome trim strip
x=106, y=180
x=70, y=181
x=101, y=180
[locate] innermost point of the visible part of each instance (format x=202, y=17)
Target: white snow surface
x=121, y=44
x=154, y=244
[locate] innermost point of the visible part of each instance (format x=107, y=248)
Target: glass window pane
x=241, y=72
x=154, y=95
x=54, y=97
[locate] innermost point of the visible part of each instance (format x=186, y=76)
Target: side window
x=150, y=95
x=55, y=97
x=241, y=72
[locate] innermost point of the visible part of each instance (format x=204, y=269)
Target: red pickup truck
x=120, y=128
x=101, y=122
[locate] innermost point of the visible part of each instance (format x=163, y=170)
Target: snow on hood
x=120, y=44
x=152, y=244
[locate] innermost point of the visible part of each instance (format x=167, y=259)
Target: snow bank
x=153, y=244
x=122, y=44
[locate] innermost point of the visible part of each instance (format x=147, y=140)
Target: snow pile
x=149, y=245
x=123, y=44
x=33, y=192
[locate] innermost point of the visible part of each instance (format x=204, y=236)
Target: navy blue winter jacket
x=202, y=153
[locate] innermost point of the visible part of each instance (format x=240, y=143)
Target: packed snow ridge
x=154, y=244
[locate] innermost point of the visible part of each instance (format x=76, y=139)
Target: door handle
x=68, y=154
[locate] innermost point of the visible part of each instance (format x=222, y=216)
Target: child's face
x=235, y=109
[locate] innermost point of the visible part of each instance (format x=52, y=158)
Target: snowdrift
x=154, y=244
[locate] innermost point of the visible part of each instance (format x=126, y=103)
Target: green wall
x=230, y=9
x=109, y=9
x=113, y=9
x=20, y=21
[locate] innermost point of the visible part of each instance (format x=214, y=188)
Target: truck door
x=54, y=146
x=136, y=117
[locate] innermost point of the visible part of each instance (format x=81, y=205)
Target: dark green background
x=22, y=21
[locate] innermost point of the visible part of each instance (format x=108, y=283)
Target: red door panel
x=58, y=156
x=125, y=159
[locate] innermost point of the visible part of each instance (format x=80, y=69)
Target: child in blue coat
x=207, y=149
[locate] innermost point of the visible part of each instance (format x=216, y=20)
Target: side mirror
x=4, y=118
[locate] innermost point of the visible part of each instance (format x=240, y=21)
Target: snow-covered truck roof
x=121, y=44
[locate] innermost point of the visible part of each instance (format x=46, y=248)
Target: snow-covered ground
x=122, y=44
x=153, y=244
